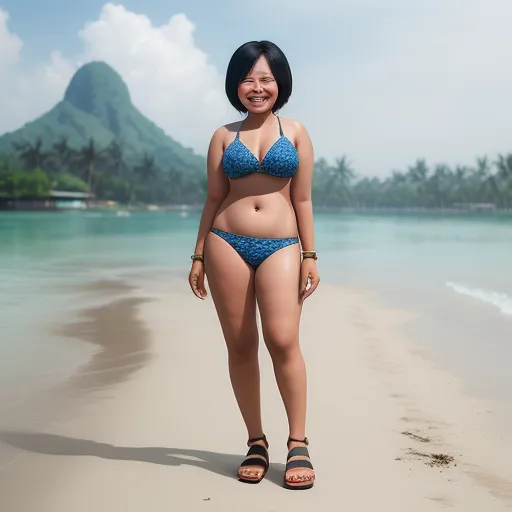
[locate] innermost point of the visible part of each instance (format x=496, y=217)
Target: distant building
x=475, y=206
x=56, y=200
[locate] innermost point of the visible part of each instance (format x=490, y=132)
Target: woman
x=257, y=208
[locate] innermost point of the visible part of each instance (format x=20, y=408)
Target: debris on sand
x=433, y=459
x=441, y=459
x=416, y=437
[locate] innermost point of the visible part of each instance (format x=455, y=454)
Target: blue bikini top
x=281, y=159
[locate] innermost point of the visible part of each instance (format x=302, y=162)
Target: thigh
x=231, y=283
x=277, y=283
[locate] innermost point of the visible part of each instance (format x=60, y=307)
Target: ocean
x=452, y=270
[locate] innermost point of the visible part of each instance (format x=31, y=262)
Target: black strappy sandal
x=261, y=451
x=298, y=451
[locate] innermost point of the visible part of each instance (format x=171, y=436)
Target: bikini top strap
x=280, y=127
x=239, y=128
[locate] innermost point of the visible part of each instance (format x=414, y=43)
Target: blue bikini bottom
x=254, y=250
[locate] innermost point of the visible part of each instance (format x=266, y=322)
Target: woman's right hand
x=196, y=279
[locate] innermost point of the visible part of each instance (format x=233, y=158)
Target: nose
x=257, y=85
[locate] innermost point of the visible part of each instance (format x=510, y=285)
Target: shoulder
x=226, y=129
x=295, y=130
x=225, y=133
x=293, y=126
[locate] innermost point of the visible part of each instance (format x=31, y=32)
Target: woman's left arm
x=301, y=199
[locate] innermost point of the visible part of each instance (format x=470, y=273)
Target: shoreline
x=395, y=416
x=463, y=336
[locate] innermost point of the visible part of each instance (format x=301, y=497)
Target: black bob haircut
x=242, y=62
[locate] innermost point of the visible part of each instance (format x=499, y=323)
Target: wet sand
x=117, y=346
x=121, y=339
x=150, y=422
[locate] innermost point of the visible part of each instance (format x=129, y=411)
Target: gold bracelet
x=197, y=257
x=310, y=254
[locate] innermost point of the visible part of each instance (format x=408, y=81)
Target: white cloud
x=10, y=44
x=26, y=94
x=170, y=79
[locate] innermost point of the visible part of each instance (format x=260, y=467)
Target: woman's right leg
x=231, y=283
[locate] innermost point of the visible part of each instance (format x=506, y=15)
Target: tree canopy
x=35, y=169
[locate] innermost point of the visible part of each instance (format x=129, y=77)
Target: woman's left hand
x=308, y=272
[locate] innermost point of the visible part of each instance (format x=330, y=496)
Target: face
x=258, y=91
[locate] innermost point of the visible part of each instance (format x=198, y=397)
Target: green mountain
x=97, y=105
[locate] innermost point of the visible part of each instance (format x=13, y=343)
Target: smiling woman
x=257, y=217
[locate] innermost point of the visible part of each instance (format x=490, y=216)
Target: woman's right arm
x=218, y=187
x=217, y=190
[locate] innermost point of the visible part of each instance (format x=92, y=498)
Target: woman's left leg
x=277, y=282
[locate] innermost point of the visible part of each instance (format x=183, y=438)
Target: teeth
x=258, y=99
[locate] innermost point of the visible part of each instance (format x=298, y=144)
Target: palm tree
x=114, y=153
x=504, y=165
x=417, y=175
x=460, y=190
x=174, y=182
x=436, y=186
x=63, y=152
x=31, y=154
x=344, y=171
x=339, y=184
x=145, y=174
x=485, y=184
x=504, y=175
x=88, y=157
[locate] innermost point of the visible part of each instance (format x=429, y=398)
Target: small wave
x=498, y=299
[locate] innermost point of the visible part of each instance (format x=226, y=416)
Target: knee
x=283, y=347
x=243, y=349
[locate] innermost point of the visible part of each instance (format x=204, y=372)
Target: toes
x=300, y=477
x=251, y=473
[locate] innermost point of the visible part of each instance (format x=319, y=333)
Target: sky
x=384, y=82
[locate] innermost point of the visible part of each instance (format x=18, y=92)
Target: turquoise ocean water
x=454, y=270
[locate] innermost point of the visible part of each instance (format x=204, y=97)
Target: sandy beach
x=150, y=422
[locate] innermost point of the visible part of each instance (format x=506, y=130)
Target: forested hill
x=97, y=135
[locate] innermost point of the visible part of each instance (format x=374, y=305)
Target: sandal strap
x=298, y=463
x=254, y=461
x=257, y=449
x=305, y=440
x=261, y=456
x=254, y=439
x=298, y=451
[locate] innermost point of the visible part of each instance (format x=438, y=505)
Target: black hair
x=242, y=62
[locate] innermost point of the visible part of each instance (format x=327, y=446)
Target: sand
x=151, y=423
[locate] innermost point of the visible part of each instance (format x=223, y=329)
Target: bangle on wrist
x=310, y=254
x=197, y=257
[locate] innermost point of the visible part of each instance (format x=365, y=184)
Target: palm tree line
x=419, y=186
x=110, y=175
x=106, y=172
